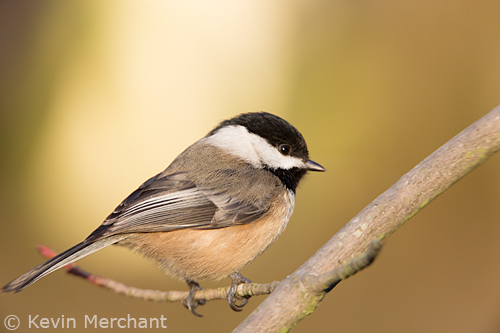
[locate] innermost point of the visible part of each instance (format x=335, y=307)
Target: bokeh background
x=97, y=96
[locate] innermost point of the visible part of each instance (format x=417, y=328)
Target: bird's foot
x=231, y=295
x=190, y=302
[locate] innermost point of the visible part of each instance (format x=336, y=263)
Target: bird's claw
x=231, y=295
x=190, y=302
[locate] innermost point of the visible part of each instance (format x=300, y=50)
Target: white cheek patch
x=251, y=148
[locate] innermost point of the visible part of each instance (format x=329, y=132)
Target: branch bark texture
x=294, y=298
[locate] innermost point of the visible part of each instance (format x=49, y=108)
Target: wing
x=174, y=201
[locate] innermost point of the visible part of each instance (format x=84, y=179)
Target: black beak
x=313, y=166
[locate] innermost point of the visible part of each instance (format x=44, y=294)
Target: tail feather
x=67, y=257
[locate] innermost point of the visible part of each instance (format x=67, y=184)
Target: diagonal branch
x=293, y=300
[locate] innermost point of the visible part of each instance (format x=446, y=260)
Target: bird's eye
x=285, y=149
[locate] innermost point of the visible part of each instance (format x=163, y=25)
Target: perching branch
x=249, y=289
x=325, y=281
x=295, y=298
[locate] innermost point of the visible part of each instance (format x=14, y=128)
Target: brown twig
x=322, y=282
x=248, y=289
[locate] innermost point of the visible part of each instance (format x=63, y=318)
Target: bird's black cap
x=275, y=130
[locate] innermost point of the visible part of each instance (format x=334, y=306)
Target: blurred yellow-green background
x=97, y=96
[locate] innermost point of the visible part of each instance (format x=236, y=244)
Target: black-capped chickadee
x=217, y=207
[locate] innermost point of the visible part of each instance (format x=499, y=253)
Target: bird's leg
x=190, y=302
x=231, y=295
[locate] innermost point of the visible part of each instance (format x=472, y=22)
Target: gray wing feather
x=171, y=201
x=174, y=202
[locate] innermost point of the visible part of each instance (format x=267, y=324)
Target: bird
x=212, y=211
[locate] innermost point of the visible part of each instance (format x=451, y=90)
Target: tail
x=62, y=259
